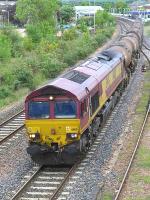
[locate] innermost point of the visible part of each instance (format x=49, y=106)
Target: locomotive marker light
x=51, y=98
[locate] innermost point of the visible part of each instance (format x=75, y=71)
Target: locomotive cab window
x=39, y=110
x=65, y=109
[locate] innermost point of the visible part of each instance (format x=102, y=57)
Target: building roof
x=87, y=9
x=7, y=5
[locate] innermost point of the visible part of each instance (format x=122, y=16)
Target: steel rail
x=24, y=185
x=59, y=189
x=11, y=134
x=56, y=193
x=9, y=119
x=7, y=122
x=133, y=155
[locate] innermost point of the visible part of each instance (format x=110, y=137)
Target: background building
x=82, y=11
x=7, y=11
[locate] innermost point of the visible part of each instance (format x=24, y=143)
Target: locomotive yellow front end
x=53, y=127
x=53, y=134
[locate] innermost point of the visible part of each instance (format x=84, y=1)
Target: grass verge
x=139, y=178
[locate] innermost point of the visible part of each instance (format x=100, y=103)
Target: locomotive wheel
x=84, y=144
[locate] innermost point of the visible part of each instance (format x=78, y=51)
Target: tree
x=107, y=6
x=99, y=19
x=87, y=20
x=39, y=16
x=103, y=18
x=121, y=4
x=85, y=3
x=35, y=11
x=67, y=12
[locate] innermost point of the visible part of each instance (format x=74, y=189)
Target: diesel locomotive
x=64, y=116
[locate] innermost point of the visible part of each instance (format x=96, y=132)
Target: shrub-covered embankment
x=26, y=62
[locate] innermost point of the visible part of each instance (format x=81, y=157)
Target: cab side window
x=83, y=108
x=95, y=102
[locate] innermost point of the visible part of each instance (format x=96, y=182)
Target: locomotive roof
x=87, y=75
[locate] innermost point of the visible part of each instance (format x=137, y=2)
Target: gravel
x=11, y=110
x=14, y=166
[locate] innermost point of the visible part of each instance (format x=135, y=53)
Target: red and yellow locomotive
x=63, y=117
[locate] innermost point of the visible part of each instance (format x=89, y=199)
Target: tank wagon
x=64, y=116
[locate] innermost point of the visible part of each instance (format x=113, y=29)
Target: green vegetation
x=107, y=196
x=66, y=13
x=140, y=178
x=27, y=62
x=119, y=5
x=97, y=2
x=141, y=108
x=143, y=159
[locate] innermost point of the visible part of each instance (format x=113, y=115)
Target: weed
x=107, y=196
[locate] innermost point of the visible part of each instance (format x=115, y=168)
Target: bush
x=16, y=41
x=23, y=78
x=39, y=31
x=70, y=57
x=28, y=44
x=100, y=38
x=8, y=78
x=4, y=92
x=88, y=21
x=51, y=66
x=33, y=62
x=46, y=46
x=5, y=47
x=70, y=34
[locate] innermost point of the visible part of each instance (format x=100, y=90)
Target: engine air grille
x=76, y=76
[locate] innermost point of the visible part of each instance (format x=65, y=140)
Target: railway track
x=133, y=155
x=11, y=126
x=44, y=183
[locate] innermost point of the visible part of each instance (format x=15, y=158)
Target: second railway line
x=11, y=126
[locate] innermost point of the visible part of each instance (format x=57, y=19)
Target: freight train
x=64, y=116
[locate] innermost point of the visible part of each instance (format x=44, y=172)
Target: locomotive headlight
x=32, y=136
x=72, y=135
